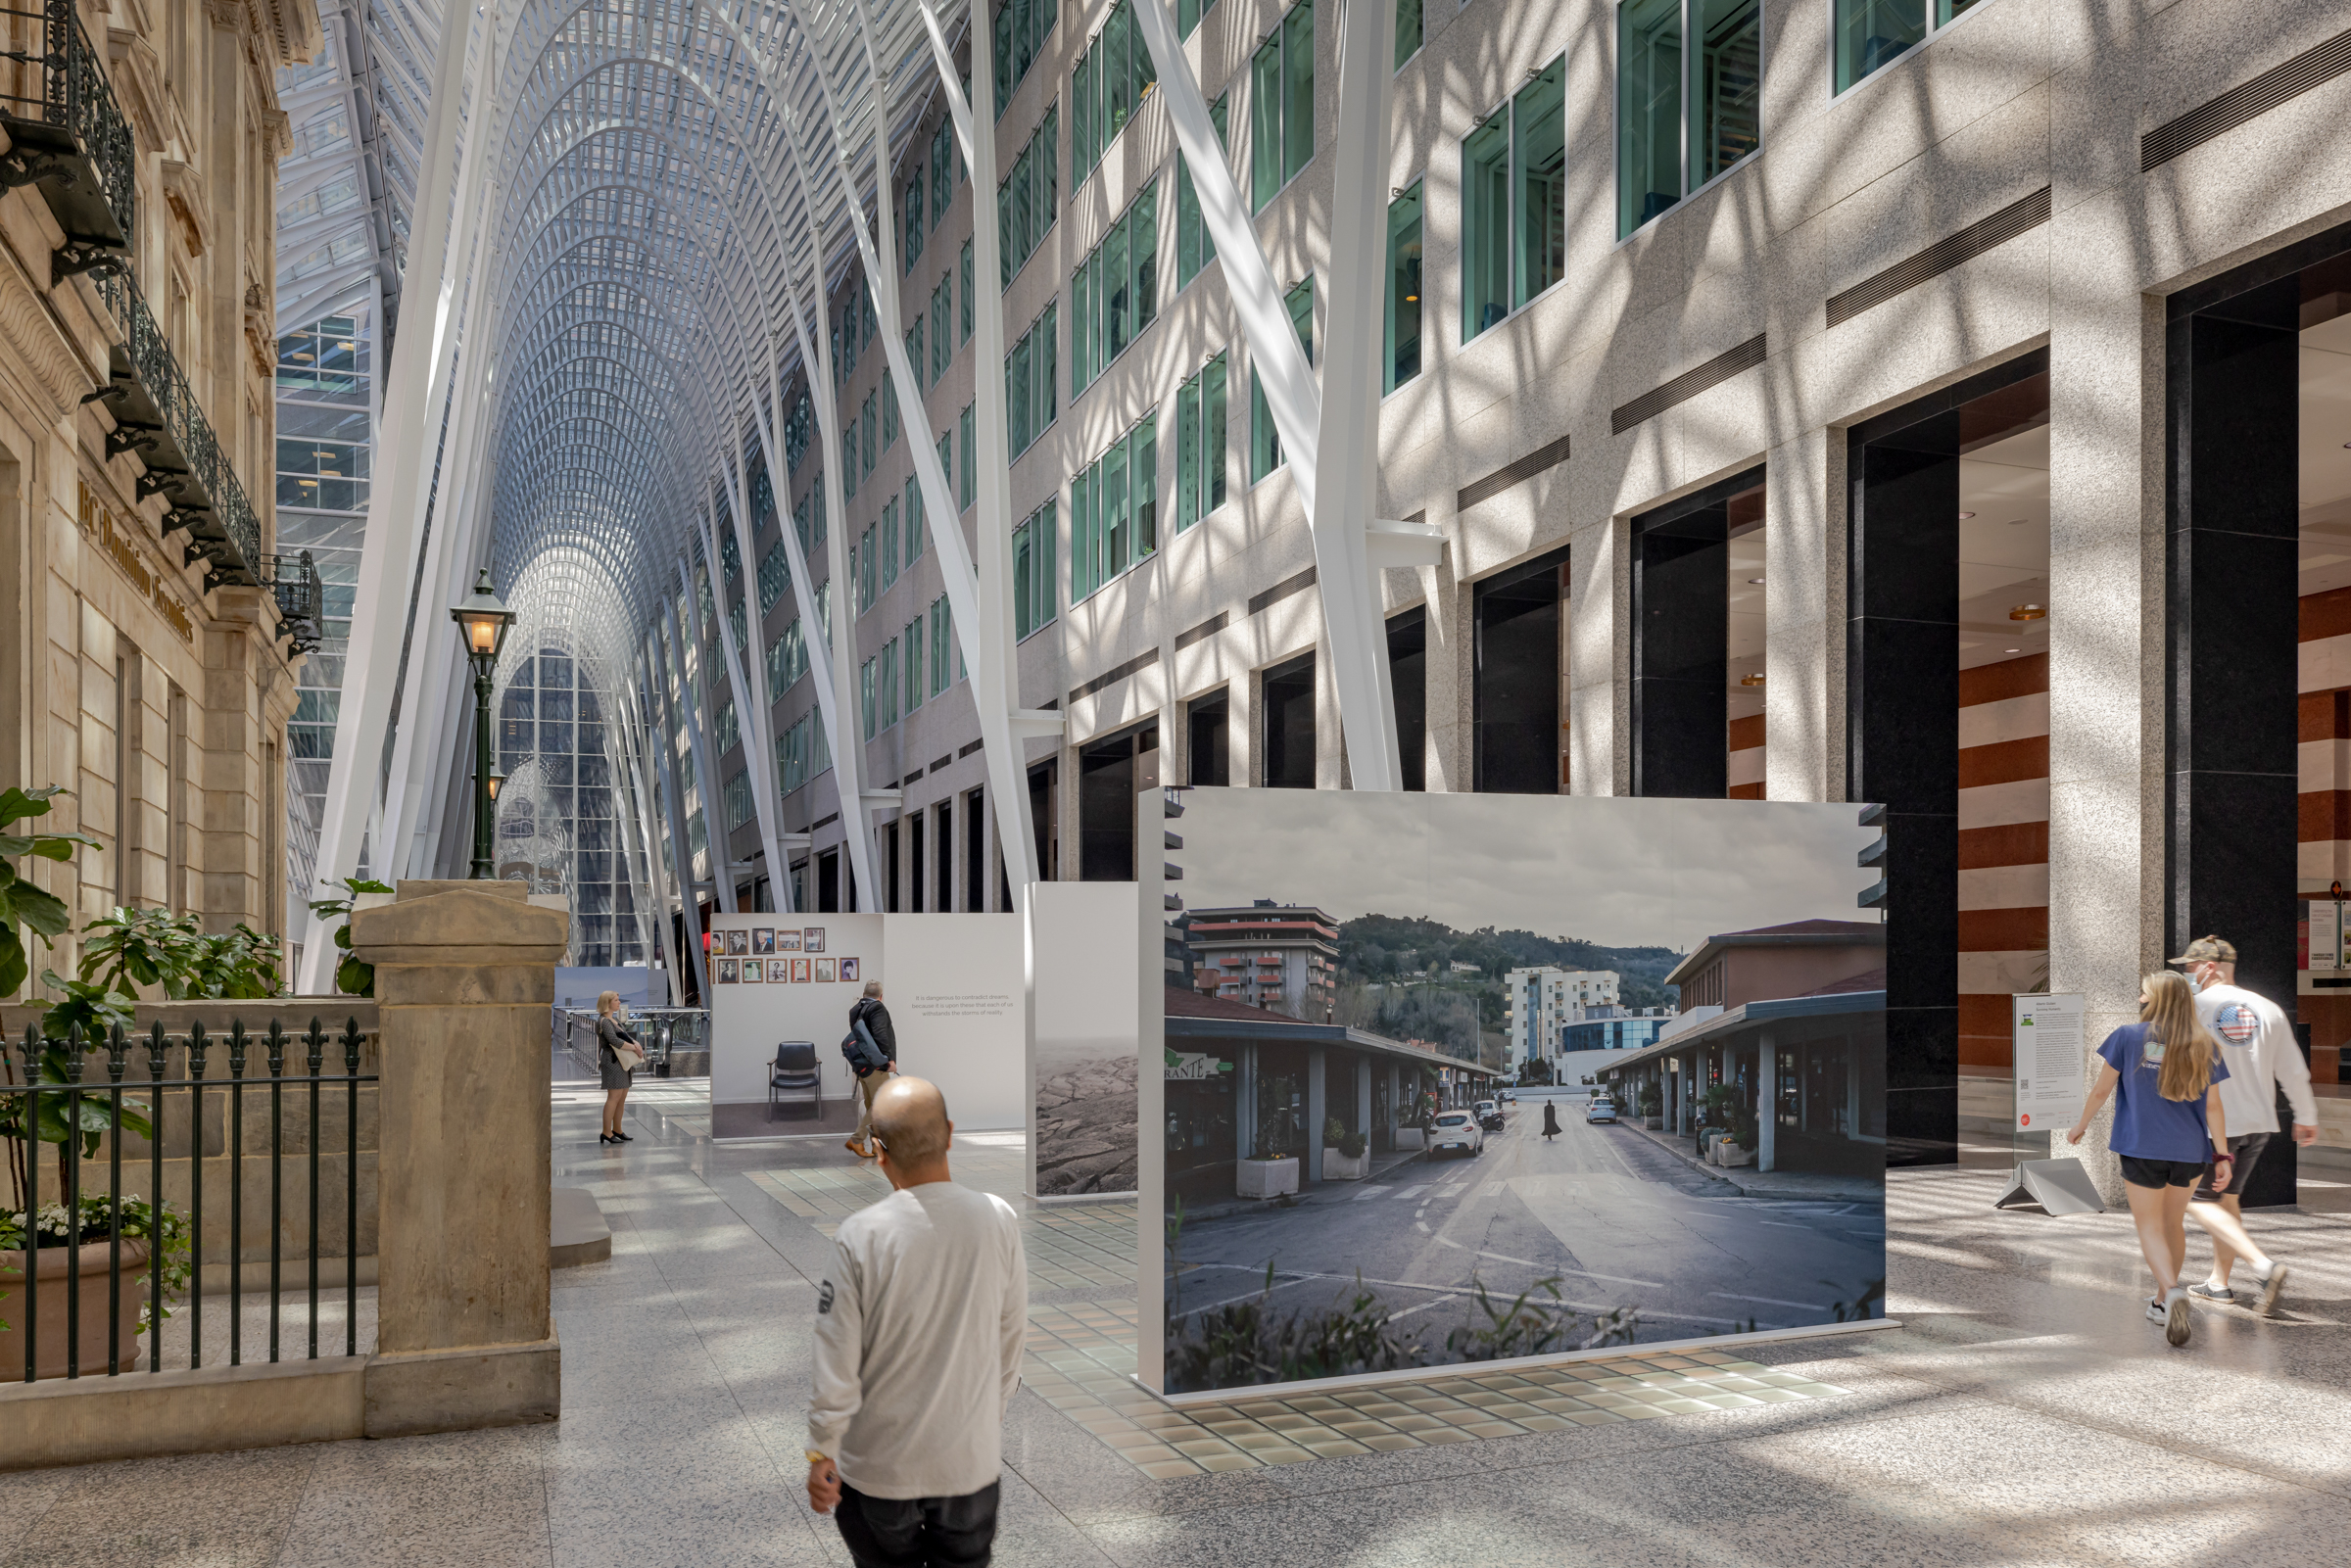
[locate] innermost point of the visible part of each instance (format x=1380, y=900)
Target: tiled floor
x=2024, y=1416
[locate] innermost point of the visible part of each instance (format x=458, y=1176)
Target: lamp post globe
x=483, y=620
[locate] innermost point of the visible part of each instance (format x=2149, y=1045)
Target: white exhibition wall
x=952, y=985
x=1083, y=976
x=954, y=997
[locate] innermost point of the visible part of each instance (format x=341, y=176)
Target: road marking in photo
x=1368, y=1194
x=1554, y=1268
x=1412, y=1192
x=1768, y=1301
x=1493, y=1189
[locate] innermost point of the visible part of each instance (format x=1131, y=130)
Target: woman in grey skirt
x=611, y=1033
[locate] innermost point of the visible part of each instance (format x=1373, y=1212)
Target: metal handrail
x=219, y=519
x=77, y=98
x=293, y=581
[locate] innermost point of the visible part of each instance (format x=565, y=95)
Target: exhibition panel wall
x=1083, y=974
x=1323, y=1196
x=953, y=985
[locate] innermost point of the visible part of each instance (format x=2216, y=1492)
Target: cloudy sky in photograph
x=1619, y=872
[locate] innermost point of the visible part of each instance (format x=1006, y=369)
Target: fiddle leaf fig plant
x=352, y=978
x=21, y=904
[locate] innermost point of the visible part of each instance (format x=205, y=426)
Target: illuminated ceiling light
x=1755, y=679
x=2012, y=650
x=1754, y=580
x=1964, y=516
x=2028, y=613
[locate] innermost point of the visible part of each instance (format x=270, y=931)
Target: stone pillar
x=1244, y=1103
x=1362, y=1096
x=1317, y=1065
x=465, y=975
x=1395, y=1099
x=1768, y=1106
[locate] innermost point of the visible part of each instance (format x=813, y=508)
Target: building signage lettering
x=100, y=526
x=1195, y=1067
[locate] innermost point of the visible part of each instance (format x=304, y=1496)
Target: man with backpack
x=872, y=1048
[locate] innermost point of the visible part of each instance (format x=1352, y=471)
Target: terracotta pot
x=52, y=1283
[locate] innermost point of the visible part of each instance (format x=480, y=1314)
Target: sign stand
x=2045, y=1059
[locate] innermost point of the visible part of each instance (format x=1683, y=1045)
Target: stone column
x=1768, y=1106
x=1244, y=1103
x=1362, y=1097
x=465, y=975
x=1318, y=1063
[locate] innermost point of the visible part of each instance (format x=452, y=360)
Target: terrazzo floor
x=2024, y=1413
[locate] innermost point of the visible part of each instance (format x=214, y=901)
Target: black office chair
x=792, y=1071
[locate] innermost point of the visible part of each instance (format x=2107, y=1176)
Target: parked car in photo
x=1456, y=1132
x=1489, y=1114
x=1507, y=1095
x=1601, y=1109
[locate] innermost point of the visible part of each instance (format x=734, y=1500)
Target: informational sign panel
x=2323, y=949
x=2046, y=1055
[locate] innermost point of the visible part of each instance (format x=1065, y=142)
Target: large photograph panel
x=1453, y=1077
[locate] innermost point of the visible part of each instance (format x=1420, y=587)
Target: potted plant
x=1345, y=1156
x=1272, y=1172
x=1653, y=1108
x=142, y=1227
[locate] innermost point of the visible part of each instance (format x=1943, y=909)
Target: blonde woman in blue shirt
x=2164, y=1074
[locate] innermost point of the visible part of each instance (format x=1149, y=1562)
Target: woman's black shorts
x=2162, y=1172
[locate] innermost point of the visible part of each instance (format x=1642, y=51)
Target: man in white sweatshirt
x=919, y=1325
x=2258, y=1043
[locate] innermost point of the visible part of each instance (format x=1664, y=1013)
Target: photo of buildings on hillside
x=1362, y=1050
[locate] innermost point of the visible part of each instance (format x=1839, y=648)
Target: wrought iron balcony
x=293, y=581
x=68, y=136
x=156, y=415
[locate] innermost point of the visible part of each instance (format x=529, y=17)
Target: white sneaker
x=2272, y=1283
x=2176, y=1324
x=2155, y=1310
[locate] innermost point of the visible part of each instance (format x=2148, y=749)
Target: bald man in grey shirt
x=919, y=1324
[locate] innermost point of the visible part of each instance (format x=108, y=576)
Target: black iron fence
x=293, y=581
x=148, y=1111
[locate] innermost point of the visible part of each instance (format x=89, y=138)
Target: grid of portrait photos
x=756, y=957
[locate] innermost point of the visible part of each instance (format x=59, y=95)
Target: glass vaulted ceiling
x=661, y=222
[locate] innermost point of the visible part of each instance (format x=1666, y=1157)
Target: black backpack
x=859, y=1049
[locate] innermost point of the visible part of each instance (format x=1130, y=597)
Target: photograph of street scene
x=1464, y=1077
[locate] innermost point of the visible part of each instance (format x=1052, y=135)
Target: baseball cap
x=2207, y=950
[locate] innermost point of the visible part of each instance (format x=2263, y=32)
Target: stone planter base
x=1653, y=1123
x=51, y=1283
x=1266, y=1178
x=1410, y=1138
x=1336, y=1166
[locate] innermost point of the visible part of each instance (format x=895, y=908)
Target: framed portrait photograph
x=800, y=971
x=763, y=939
x=824, y=972
x=739, y=942
x=753, y=970
x=778, y=971
x=788, y=941
x=813, y=939
x=848, y=968
x=730, y=972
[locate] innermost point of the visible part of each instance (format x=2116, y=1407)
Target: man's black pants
x=919, y=1531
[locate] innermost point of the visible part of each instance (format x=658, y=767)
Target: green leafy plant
x=21, y=903
x=352, y=978
x=238, y=964
x=59, y=1118
x=127, y=948
x=1350, y=1145
x=90, y=1008
x=101, y=1216
x=1725, y=1109
x=1653, y=1103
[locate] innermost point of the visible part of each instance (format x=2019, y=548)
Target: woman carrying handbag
x=618, y=1056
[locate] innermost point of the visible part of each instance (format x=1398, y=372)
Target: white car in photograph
x=1601, y=1109
x=1456, y=1132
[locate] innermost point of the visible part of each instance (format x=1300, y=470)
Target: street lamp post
x=482, y=621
